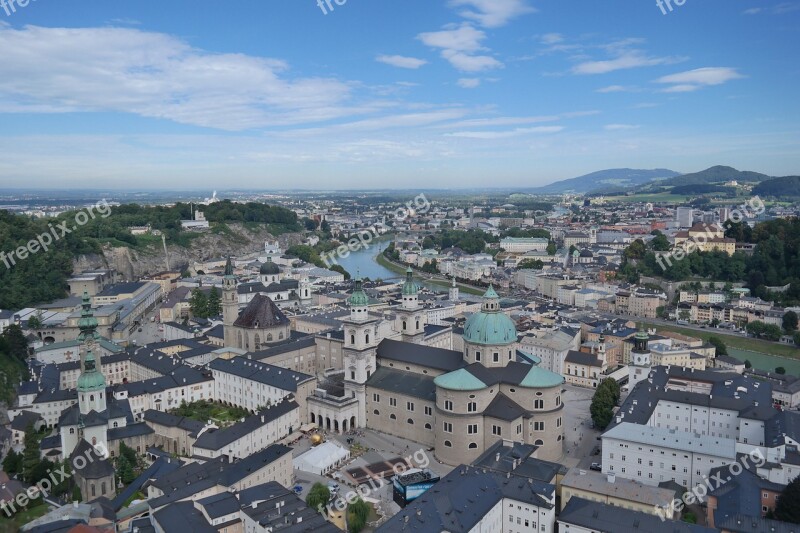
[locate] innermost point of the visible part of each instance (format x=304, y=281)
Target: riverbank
x=394, y=267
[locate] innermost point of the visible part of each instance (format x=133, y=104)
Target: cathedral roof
x=261, y=313
x=490, y=326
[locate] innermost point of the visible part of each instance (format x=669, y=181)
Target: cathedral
x=458, y=402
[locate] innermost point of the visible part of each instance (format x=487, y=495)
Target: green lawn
x=663, y=197
x=394, y=268
x=734, y=341
x=204, y=410
x=13, y=524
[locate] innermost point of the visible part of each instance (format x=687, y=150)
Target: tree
x=125, y=470
x=797, y=338
x=788, y=507
x=213, y=306
x=748, y=364
x=318, y=497
x=605, y=399
x=340, y=269
x=660, y=243
x=532, y=264
x=30, y=455
x=76, y=494
x=551, y=248
x=357, y=514
x=790, y=322
x=16, y=342
x=780, y=370
x=12, y=464
x=685, y=315
x=719, y=344
x=198, y=303
x=310, y=224
x=35, y=322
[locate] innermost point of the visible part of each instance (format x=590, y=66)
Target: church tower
x=639, y=366
x=87, y=325
x=230, y=304
x=411, y=315
x=453, y=292
x=360, y=345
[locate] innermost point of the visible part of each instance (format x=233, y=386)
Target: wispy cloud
x=401, y=61
x=518, y=132
x=779, y=9
x=469, y=83
x=692, y=80
x=460, y=45
x=617, y=89
x=620, y=127
x=492, y=13
x=156, y=75
x=626, y=60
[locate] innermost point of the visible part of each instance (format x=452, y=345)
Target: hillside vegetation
x=42, y=276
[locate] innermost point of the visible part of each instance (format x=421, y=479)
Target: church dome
x=410, y=287
x=269, y=268
x=359, y=298
x=490, y=326
x=91, y=379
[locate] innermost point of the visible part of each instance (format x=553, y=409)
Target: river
x=362, y=262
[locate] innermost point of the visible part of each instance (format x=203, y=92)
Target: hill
x=716, y=175
x=616, y=178
x=786, y=186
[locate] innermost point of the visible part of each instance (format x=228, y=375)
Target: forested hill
x=42, y=276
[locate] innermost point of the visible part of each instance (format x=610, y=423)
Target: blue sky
x=391, y=93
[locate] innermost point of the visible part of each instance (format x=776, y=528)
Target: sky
x=395, y=94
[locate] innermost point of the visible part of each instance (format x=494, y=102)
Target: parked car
x=597, y=467
x=298, y=489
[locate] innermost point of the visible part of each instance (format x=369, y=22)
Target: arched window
x=367, y=337
x=116, y=424
x=269, y=337
x=448, y=444
x=473, y=446
x=103, y=487
x=392, y=416
x=376, y=412
x=71, y=431
x=404, y=325
x=539, y=442
x=417, y=324
x=91, y=397
x=93, y=491
x=94, y=441
x=411, y=421
x=352, y=339
x=280, y=335
x=257, y=340
x=428, y=426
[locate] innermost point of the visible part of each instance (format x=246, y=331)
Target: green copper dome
x=359, y=298
x=490, y=326
x=459, y=380
x=541, y=378
x=91, y=379
x=410, y=287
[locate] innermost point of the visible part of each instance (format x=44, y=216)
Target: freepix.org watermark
x=323, y=4
x=340, y=503
x=666, y=5
x=418, y=206
x=750, y=209
x=10, y=6
x=57, y=231
x=711, y=483
x=43, y=487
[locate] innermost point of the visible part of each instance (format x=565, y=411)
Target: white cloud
x=627, y=60
x=619, y=127
x=505, y=134
x=492, y=13
x=779, y=9
x=752, y=11
x=469, y=83
x=156, y=75
x=401, y=61
x=692, y=80
x=613, y=89
x=551, y=38
x=459, y=45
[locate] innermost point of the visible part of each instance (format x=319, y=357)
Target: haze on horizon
x=389, y=95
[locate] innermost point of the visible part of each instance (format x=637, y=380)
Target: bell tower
x=410, y=315
x=359, y=351
x=230, y=304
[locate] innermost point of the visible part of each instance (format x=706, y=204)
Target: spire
x=491, y=301
x=87, y=324
x=229, y=268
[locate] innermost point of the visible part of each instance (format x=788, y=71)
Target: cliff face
x=133, y=263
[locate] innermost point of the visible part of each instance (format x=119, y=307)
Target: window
x=477, y=356
x=472, y=407
x=448, y=444
x=392, y=416
x=352, y=375
x=538, y=426
x=428, y=410
x=472, y=429
x=393, y=402
x=496, y=357
x=428, y=426
x=473, y=446
x=410, y=421
x=497, y=430
x=448, y=405
x=448, y=427
x=410, y=406
x=376, y=397
x=538, y=404
x=376, y=412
